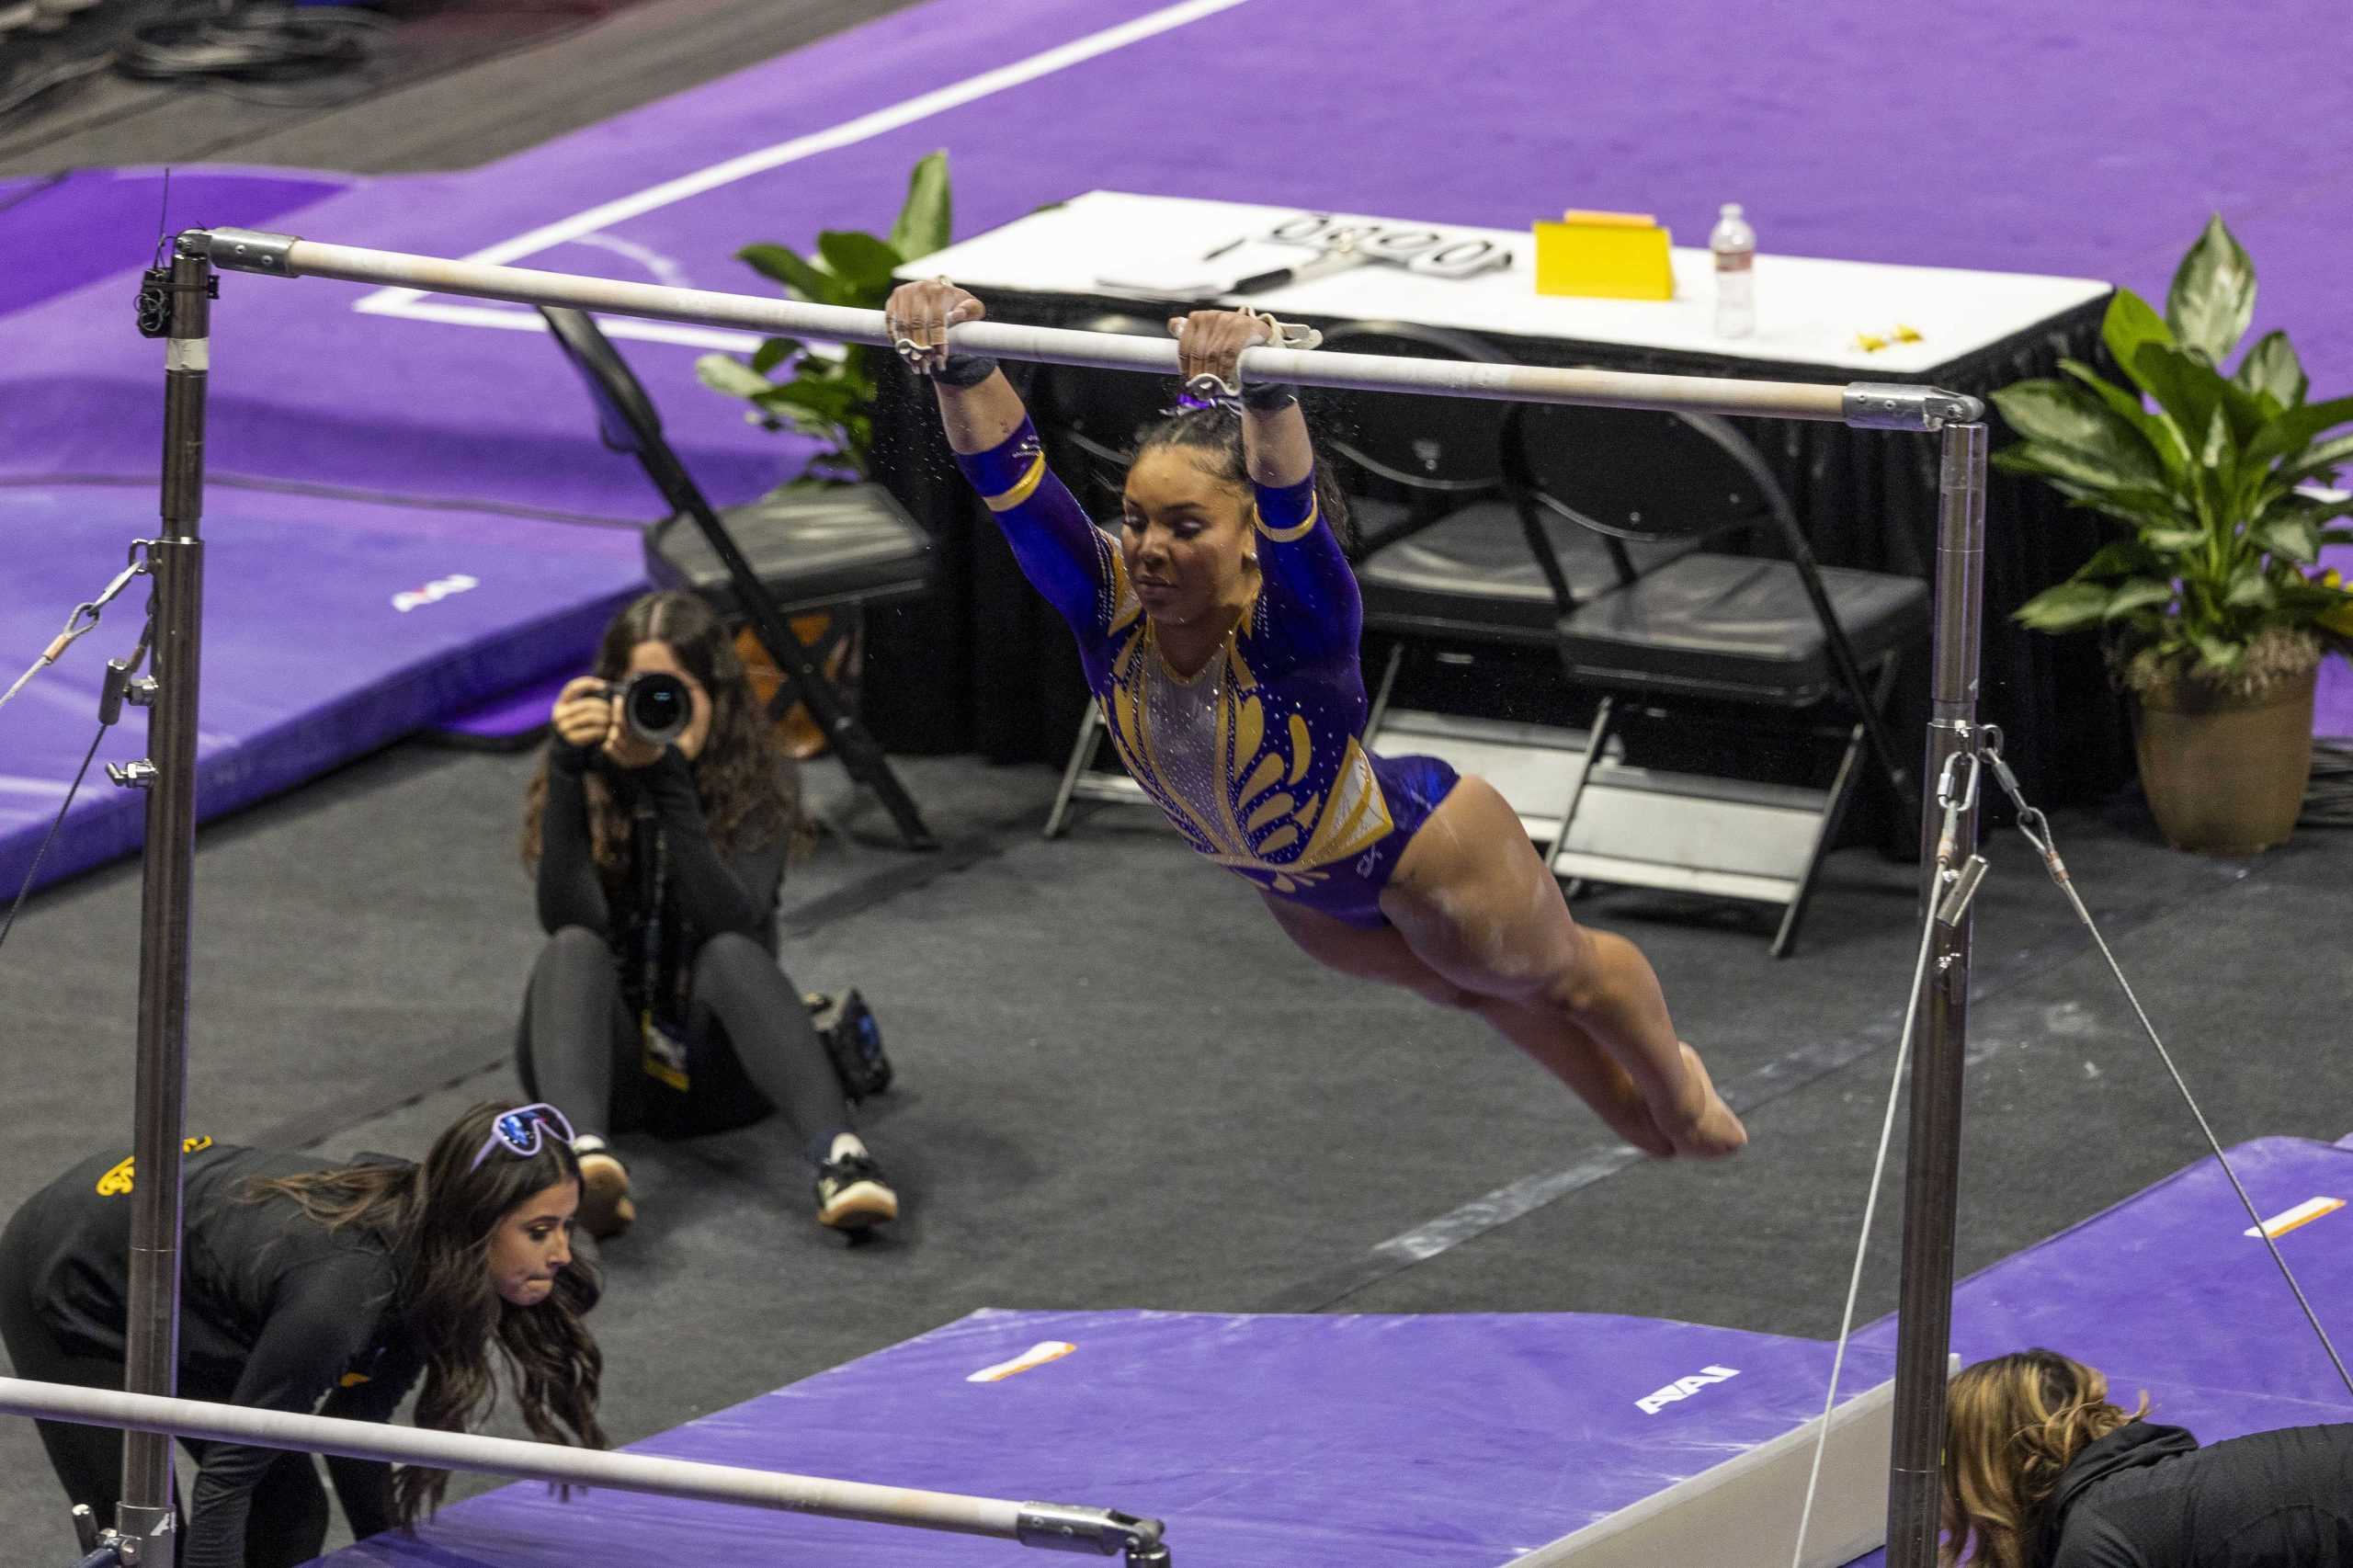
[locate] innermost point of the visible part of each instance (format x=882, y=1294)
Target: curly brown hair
x=749, y=785
x=2013, y=1426
x=438, y=1219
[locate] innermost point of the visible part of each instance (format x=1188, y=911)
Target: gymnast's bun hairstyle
x=1214, y=431
x=2013, y=1425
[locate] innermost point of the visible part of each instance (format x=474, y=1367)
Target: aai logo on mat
x=434, y=591
x=1684, y=1387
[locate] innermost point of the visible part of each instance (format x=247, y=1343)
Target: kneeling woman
x=2042, y=1471
x=1220, y=638
x=302, y=1284
x=658, y=1001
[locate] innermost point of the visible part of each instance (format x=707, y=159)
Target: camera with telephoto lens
x=655, y=706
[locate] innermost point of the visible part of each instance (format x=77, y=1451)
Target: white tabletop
x=1809, y=311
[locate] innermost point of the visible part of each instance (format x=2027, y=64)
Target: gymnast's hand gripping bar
x=1868, y=406
x=1051, y=1524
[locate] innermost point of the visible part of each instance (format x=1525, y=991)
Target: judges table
x=988, y=667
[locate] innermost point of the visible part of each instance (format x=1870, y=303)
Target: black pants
x=288, y=1524
x=753, y=1047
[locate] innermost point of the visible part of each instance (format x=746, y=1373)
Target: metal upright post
x=176, y=561
x=1931, y=1177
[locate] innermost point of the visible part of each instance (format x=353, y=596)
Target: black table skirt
x=985, y=666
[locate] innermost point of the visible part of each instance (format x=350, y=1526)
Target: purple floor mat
x=93, y=224
x=308, y=657
x=1663, y=108
x=2168, y=1294
x=1456, y=1441
x=309, y=389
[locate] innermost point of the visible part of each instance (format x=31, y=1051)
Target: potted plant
x=2213, y=609
x=826, y=395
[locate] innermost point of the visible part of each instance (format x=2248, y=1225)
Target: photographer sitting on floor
x=658, y=1000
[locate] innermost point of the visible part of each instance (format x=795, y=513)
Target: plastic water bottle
x=1734, y=244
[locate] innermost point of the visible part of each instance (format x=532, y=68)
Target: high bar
x=1051, y=1524
x=1864, y=405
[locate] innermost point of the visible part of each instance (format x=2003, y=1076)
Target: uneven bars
x=1929, y=1215
x=1871, y=405
x=1033, y=1524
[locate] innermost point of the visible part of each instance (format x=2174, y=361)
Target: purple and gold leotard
x=1257, y=759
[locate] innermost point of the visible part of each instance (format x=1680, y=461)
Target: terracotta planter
x=2226, y=775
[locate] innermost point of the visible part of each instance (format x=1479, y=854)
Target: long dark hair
x=1215, y=430
x=749, y=785
x=436, y=1220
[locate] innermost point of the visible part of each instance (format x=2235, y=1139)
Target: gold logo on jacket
x=118, y=1179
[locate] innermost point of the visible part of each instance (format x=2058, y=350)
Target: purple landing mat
x=90, y=223
x=510, y=715
x=1453, y=1441
x=308, y=658
x=2167, y=1295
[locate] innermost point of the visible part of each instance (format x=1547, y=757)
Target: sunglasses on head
x=519, y=1132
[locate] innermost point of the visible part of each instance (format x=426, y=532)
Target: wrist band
x=1268, y=397
x=964, y=370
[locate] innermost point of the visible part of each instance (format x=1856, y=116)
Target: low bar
x=1877, y=407
x=1054, y=1525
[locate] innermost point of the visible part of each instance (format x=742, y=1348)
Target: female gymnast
x=2042, y=1471
x=1221, y=639
x=300, y=1283
x=658, y=1000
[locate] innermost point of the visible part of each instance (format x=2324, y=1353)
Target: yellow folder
x=1609, y=255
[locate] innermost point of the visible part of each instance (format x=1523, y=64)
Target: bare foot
x=1625, y=1114
x=1710, y=1132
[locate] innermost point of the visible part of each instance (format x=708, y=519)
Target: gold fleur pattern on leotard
x=1237, y=786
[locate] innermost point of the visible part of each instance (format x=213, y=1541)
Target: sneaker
x=852, y=1194
x=604, y=1207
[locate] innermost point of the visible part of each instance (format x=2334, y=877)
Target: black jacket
x=707, y=895
x=276, y=1312
x=2148, y=1497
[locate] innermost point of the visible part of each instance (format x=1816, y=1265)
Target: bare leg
x=1474, y=902
x=1567, y=1053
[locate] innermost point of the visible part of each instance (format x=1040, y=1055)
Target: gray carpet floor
x=1120, y=1089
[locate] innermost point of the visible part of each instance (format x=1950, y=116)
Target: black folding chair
x=1451, y=580
x=1704, y=638
x=840, y=549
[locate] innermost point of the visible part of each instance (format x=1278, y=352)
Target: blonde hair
x=2013, y=1423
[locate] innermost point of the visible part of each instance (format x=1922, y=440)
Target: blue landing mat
x=309, y=658
x=1435, y=1441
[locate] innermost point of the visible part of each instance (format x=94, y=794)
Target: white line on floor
x=403, y=301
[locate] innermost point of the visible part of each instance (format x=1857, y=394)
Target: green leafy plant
x=825, y=395
x=2212, y=579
